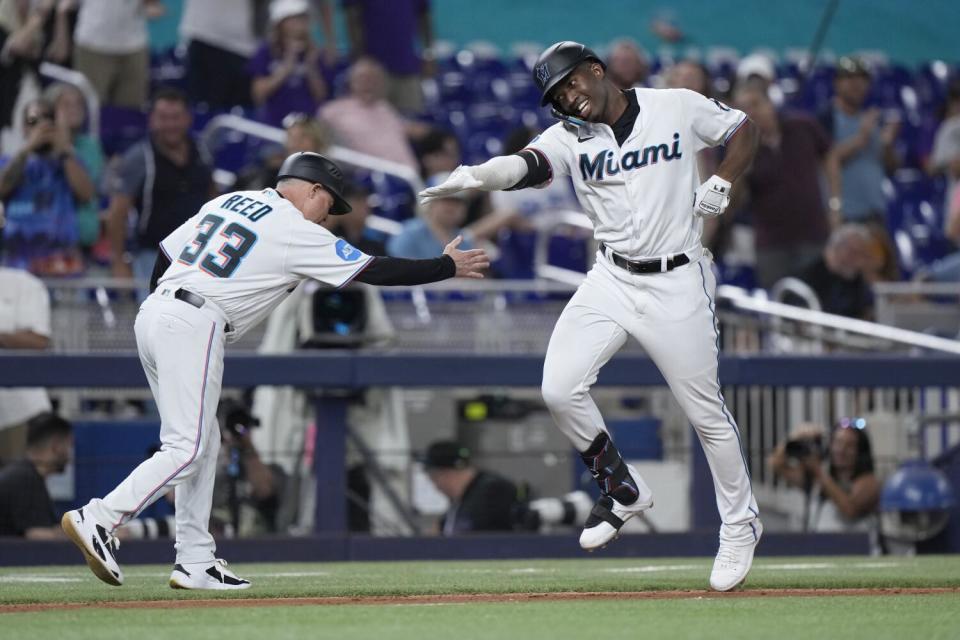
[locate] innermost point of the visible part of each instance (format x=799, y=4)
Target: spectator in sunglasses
x=42, y=185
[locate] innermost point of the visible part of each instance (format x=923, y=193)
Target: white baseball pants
x=181, y=349
x=672, y=315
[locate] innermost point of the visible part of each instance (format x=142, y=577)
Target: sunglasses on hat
x=852, y=423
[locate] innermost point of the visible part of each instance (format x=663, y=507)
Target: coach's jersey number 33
x=222, y=263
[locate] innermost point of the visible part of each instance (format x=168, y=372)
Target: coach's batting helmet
x=556, y=62
x=315, y=168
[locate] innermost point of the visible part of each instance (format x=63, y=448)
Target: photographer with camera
x=480, y=500
x=842, y=490
x=247, y=493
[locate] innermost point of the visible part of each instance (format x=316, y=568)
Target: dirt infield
x=441, y=599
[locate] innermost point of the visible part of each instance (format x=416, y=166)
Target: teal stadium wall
x=909, y=31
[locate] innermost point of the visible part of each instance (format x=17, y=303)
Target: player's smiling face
x=581, y=94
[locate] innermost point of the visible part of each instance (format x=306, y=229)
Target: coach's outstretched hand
x=460, y=180
x=469, y=263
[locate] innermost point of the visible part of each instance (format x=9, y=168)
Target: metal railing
x=503, y=316
x=921, y=306
x=541, y=265
x=743, y=300
x=230, y=122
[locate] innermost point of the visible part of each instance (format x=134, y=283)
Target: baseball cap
x=313, y=167
x=446, y=454
x=757, y=64
x=282, y=9
x=852, y=66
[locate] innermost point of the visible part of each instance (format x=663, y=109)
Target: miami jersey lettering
x=247, y=250
x=639, y=194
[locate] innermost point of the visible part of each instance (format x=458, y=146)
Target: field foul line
x=60, y=579
x=39, y=579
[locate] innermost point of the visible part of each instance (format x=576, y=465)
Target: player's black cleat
x=98, y=547
x=210, y=575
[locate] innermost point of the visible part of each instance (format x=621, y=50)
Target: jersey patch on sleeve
x=346, y=251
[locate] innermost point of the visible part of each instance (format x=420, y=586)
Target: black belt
x=645, y=266
x=197, y=301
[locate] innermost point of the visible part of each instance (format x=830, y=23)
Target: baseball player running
x=218, y=275
x=632, y=158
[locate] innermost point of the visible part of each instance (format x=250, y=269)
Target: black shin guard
x=609, y=470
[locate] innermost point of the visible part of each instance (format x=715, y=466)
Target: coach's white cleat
x=732, y=564
x=98, y=546
x=206, y=575
x=608, y=517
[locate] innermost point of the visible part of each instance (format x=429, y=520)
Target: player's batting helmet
x=315, y=168
x=556, y=62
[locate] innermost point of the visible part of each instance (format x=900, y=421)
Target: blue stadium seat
x=516, y=254
x=169, y=68
x=121, y=127
x=393, y=197
x=915, y=219
x=568, y=252
x=453, y=88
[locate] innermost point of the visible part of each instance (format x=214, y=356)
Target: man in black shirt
x=25, y=507
x=837, y=275
x=165, y=179
x=479, y=500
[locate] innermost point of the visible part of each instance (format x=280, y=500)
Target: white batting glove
x=712, y=198
x=461, y=179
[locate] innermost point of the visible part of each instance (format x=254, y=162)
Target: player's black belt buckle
x=657, y=265
x=197, y=301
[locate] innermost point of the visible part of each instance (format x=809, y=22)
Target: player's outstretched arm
x=390, y=271
x=501, y=172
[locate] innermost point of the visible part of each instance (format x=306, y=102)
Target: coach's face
x=581, y=94
x=317, y=204
x=311, y=199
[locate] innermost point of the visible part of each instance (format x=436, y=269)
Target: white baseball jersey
x=640, y=196
x=246, y=250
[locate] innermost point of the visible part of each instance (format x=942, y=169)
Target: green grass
x=837, y=618
x=149, y=582
x=842, y=617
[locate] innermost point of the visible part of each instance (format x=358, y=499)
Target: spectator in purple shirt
x=287, y=70
x=386, y=30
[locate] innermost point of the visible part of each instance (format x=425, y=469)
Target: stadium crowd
x=848, y=149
